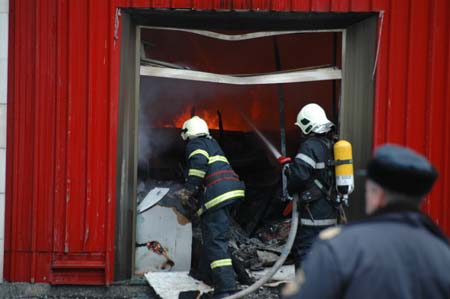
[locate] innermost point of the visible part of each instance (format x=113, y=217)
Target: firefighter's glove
x=185, y=196
x=189, y=201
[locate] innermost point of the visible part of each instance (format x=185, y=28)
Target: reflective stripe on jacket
x=208, y=167
x=309, y=166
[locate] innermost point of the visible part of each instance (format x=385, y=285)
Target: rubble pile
x=260, y=251
x=252, y=253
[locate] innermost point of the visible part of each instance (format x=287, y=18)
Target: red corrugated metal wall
x=61, y=169
x=62, y=119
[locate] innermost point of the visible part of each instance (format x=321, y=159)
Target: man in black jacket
x=397, y=252
x=310, y=177
x=212, y=181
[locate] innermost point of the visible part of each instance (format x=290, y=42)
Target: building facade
x=62, y=94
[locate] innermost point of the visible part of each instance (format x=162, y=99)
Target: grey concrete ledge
x=134, y=289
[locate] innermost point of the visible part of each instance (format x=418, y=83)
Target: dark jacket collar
x=407, y=213
x=396, y=207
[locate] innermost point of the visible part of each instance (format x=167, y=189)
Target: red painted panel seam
x=388, y=74
x=429, y=79
x=87, y=192
x=67, y=191
x=55, y=134
x=109, y=259
x=445, y=152
x=35, y=141
x=408, y=53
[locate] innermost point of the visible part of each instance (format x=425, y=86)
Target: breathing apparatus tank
x=343, y=160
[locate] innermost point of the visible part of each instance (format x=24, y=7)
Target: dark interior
x=243, y=20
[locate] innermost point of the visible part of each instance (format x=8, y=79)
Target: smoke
x=167, y=103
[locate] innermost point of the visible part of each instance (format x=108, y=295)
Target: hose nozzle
x=284, y=160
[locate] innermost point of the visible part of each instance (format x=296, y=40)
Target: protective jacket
x=209, y=168
x=309, y=171
x=398, y=252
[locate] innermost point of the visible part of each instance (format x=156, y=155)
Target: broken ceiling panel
x=152, y=198
x=291, y=76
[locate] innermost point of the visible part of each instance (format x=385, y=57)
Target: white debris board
x=152, y=198
x=162, y=224
x=169, y=285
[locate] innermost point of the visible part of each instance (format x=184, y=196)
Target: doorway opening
x=173, y=66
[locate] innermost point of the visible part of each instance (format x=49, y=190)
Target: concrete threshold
x=130, y=289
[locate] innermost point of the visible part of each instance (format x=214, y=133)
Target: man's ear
x=382, y=198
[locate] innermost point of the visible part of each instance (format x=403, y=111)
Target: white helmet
x=312, y=118
x=194, y=127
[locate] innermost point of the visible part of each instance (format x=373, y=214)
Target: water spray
x=269, y=145
x=281, y=159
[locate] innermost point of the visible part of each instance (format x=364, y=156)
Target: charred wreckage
x=259, y=228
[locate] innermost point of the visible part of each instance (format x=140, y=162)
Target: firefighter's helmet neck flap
x=312, y=119
x=193, y=128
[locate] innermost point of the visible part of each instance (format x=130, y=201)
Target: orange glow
x=261, y=110
x=236, y=123
x=211, y=118
x=182, y=117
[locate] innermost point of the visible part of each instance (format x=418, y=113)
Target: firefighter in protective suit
x=310, y=177
x=211, y=179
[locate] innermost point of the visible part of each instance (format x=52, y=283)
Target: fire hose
x=281, y=259
x=294, y=222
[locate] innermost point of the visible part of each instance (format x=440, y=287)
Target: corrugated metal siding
x=62, y=119
x=61, y=165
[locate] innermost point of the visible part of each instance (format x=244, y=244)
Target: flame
x=211, y=118
x=209, y=115
x=257, y=110
x=182, y=117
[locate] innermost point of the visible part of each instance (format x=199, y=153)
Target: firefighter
x=211, y=179
x=396, y=252
x=310, y=177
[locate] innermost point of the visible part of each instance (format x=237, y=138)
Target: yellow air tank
x=344, y=168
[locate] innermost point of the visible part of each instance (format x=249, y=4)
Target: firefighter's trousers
x=303, y=242
x=216, y=233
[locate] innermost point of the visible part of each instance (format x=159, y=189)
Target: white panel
x=2, y=218
x=288, y=76
x=3, y=85
x=4, y=5
x=3, y=79
x=152, y=198
x=2, y=246
x=169, y=285
x=163, y=225
x=2, y=169
x=356, y=104
x=3, y=35
x=238, y=37
x=2, y=126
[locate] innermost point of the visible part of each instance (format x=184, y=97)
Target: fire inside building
x=232, y=111
x=98, y=92
x=240, y=93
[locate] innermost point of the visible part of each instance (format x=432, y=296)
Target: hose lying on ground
x=281, y=259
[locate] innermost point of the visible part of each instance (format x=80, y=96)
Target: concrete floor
x=134, y=289
x=131, y=289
